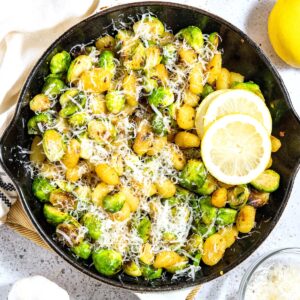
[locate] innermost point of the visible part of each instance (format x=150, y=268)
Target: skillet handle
x=184, y=294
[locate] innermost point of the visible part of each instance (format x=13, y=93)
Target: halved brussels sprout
x=70, y=233
x=106, y=42
x=193, y=175
x=83, y=250
x=149, y=28
x=144, y=229
x=78, y=119
x=238, y=196
x=160, y=125
x=53, y=87
x=132, y=269
x=115, y=101
x=53, y=215
x=209, y=212
x=161, y=97
x=194, y=244
x=267, y=181
x=152, y=57
x=107, y=262
x=209, y=186
x=53, y=145
x=169, y=54
x=193, y=36
x=40, y=103
x=69, y=107
x=207, y=89
x=114, y=203
x=249, y=86
x=106, y=61
x=258, y=199
x=42, y=188
x=93, y=224
x=60, y=62
x=32, y=125
x=226, y=216
x=62, y=200
x=151, y=273
x=178, y=266
x=80, y=64
x=83, y=192
x=213, y=38
x=68, y=96
x=206, y=230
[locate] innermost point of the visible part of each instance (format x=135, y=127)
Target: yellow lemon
x=284, y=31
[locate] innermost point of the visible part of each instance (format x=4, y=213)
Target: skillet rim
x=49, y=240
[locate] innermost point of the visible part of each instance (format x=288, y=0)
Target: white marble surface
x=19, y=257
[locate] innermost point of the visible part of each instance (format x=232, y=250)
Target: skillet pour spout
x=241, y=55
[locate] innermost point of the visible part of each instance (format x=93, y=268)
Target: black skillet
x=241, y=54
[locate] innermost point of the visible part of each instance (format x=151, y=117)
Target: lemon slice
x=201, y=111
x=240, y=102
x=236, y=149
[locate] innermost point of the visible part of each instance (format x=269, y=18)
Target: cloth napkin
x=27, y=29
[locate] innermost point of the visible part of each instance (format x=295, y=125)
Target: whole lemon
x=284, y=30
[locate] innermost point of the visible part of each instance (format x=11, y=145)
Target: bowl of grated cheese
x=274, y=276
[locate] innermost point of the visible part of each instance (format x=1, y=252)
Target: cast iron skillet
x=240, y=55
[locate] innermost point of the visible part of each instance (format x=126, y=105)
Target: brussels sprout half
x=60, y=62
x=53, y=145
x=42, y=188
x=107, y=262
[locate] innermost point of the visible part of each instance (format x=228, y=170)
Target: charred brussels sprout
x=249, y=86
x=209, y=213
x=132, y=269
x=60, y=62
x=80, y=64
x=238, y=196
x=115, y=101
x=93, y=224
x=42, y=188
x=161, y=97
x=207, y=89
x=53, y=87
x=83, y=250
x=106, y=61
x=193, y=36
x=70, y=233
x=160, y=124
x=42, y=119
x=267, y=181
x=107, y=262
x=53, y=145
x=114, y=203
x=193, y=175
x=258, y=199
x=226, y=216
x=39, y=103
x=144, y=228
x=53, y=215
x=194, y=243
x=151, y=273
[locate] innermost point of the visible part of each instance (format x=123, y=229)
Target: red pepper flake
x=281, y=133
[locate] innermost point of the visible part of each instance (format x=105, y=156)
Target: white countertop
x=20, y=257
